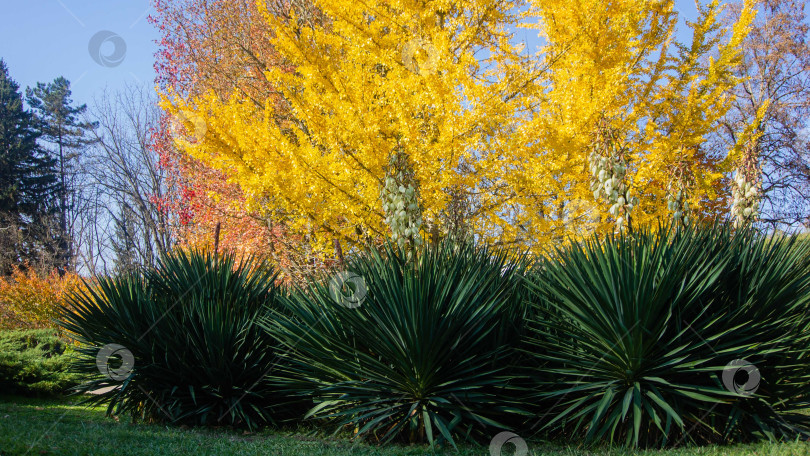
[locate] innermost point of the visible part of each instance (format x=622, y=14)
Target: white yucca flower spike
x=400, y=203
x=746, y=198
x=609, y=172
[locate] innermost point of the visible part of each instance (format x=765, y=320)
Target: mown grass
x=59, y=427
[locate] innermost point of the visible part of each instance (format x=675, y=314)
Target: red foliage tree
x=215, y=45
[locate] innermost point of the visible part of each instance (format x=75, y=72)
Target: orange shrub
x=29, y=300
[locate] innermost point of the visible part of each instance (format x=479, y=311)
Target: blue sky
x=43, y=39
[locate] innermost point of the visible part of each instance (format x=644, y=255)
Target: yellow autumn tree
x=415, y=119
x=32, y=299
x=617, y=125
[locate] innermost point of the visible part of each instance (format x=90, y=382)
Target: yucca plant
x=634, y=333
x=190, y=324
x=424, y=355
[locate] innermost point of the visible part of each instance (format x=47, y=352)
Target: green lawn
x=49, y=427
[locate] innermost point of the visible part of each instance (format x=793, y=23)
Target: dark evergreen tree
x=63, y=129
x=28, y=182
x=123, y=243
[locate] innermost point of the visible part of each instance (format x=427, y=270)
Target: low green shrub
x=410, y=350
x=198, y=355
x=635, y=333
x=35, y=362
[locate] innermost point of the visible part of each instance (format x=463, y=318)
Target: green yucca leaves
x=639, y=339
x=634, y=332
x=190, y=324
x=426, y=354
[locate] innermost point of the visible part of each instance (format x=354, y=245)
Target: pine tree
x=61, y=125
x=123, y=243
x=28, y=181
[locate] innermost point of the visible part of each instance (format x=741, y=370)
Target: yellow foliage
x=484, y=124
x=28, y=300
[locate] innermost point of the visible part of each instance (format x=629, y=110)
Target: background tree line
x=112, y=185
x=79, y=186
